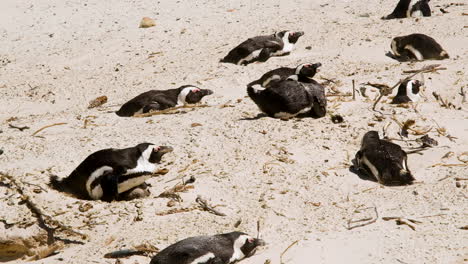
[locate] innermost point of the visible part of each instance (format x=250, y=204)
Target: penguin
x=417, y=47
x=291, y=97
x=383, y=160
x=261, y=48
x=217, y=249
x=163, y=99
x=410, y=8
x=408, y=91
x=105, y=174
x=307, y=70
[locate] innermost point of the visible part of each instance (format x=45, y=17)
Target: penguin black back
x=383, y=160
x=162, y=99
x=106, y=173
x=417, y=47
x=261, y=48
x=288, y=98
x=218, y=249
x=410, y=8
x=307, y=69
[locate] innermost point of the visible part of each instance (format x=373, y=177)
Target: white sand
x=62, y=54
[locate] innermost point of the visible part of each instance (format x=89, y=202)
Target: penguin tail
x=405, y=177
x=58, y=184
x=444, y=54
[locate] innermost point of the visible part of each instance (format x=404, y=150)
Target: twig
x=205, y=206
x=429, y=68
x=284, y=252
x=364, y=224
x=169, y=110
x=354, y=90
x=40, y=216
x=19, y=128
x=178, y=210
x=463, y=94
x=56, y=124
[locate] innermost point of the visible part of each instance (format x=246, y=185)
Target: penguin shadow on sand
x=257, y=117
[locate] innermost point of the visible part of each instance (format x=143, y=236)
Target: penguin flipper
x=264, y=55
x=109, y=184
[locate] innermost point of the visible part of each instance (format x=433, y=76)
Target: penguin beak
x=207, y=91
x=259, y=242
x=165, y=149
x=299, y=33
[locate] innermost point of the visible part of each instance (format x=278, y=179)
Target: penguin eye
x=251, y=240
x=195, y=90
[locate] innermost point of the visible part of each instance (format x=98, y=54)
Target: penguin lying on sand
x=107, y=173
x=407, y=92
x=218, y=249
x=383, y=160
x=163, y=99
x=410, y=8
x=296, y=95
x=261, y=48
x=417, y=47
x=307, y=70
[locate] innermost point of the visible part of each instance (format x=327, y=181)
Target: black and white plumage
x=417, y=47
x=410, y=8
x=408, y=91
x=261, y=48
x=306, y=70
x=163, y=99
x=217, y=249
x=291, y=97
x=107, y=173
x=383, y=160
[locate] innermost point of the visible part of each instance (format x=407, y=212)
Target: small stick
x=463, y=94
x=19, y=128
x=364, y=224
x=205, y=206
x=354, y=91
x=56, y=124
x=169, y=110
x=282, y=254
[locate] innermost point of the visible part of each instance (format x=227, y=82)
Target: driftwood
x=403, y=221
x=170, y=110
x=205, y=206
x=19, y=128
x=284, y=252
x=388, y=90
x=56, y=124
x=44, y=221
x=367, y=221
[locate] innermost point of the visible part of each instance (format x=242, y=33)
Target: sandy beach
x=292, y=176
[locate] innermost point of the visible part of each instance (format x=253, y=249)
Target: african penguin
x=163, y=99
x=291, y=97
x=410, y=8
x=417, y=47
x=307, y=70
x=109, y=172
x=407, y=92
x=217, y=249
x=261, y=48
x=383, y=160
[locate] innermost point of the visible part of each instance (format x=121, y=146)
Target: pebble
x=147, y=22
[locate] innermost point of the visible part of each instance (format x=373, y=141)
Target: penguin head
x=191, y=94
x=291, y=36
x=294, y=36
x=397, y=46
x=410, y=89
x=151, y=152
x=308, y=69
x=370, y=137
x=245, y=243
